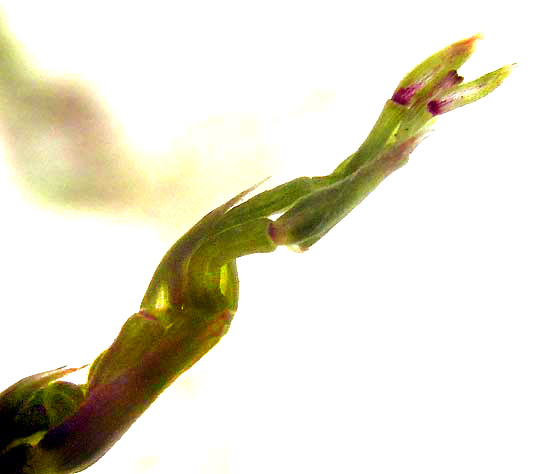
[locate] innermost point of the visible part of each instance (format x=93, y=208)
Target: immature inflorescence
x=53, y=427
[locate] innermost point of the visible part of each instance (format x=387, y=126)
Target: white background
x=413, y=338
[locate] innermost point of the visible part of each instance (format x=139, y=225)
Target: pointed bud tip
x=475, y=38
x=464, y=48
x=471, y=42
x=468, y=93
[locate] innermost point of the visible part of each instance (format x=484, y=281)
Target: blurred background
x=412, y=338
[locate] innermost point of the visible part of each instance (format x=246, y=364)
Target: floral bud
x=433, y=71
x=470, y=92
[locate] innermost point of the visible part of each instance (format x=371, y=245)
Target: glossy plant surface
x=52, y=426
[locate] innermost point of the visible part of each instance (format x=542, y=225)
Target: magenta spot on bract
x=147, y=315
x=454, y=77
x=450, y=80
x=275, y=234
x=404, y=95
x=436, y=107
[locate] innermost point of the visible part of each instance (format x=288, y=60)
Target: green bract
x=60, y=428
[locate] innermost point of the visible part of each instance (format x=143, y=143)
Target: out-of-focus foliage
x=64, y=146
x=67, y=150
